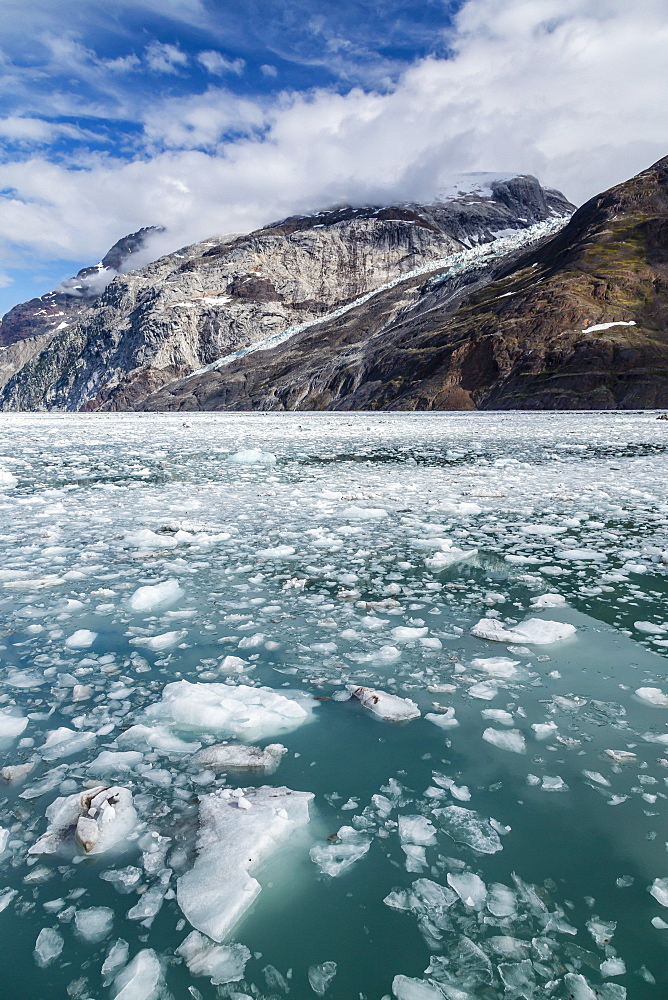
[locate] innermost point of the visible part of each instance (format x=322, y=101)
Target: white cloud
x=268, y=70
x=161, y=57
x=216, y=63
x=5, y=280
x=569, y=90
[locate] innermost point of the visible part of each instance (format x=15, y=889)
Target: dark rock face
x=580, y=321
x=59, y=309
x=159, y=323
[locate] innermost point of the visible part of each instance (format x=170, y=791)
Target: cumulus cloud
x=161, y=57
x=216, y=63
x=565, y=89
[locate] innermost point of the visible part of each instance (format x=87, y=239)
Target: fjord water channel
x=164, y=577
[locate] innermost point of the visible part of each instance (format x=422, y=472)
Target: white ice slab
x=389, y=707
x=233, y=841
x=534, y=630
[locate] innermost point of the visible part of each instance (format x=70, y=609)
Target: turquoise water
x=316, y=555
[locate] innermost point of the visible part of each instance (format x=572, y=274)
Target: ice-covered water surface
x=434, y=643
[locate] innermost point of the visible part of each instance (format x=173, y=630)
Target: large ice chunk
x=156, y=643
x=95, y=820
x=320, y=976
x=534, y=630
x=64, y=742
x=156, y=596
x=653, y=696
x=48, y=946
x=511, y=739
x=11, y=725
x=405, y=988
x=252, y=456
x=389, y=707
x=81, y=639
x=249, y=713
x=239, y=830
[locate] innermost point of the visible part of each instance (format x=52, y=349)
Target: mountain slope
x=161, y=322
x=580, y=321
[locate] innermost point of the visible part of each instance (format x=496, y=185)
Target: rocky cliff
x=153, y=326
x=577, y=321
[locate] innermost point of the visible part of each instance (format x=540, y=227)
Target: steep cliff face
x=60, y=308
x=578, y=321
x=161, y=322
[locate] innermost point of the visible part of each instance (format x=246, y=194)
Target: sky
x=211, y=117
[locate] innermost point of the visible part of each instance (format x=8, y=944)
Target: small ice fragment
x=466, y=826
x=11, y=725
x=660, y=924
x=252, y=456
x=469, y=887
x=81, y=639
x=511, y=740
x=117, y=957
x=48, y=947
x=659, y=889
x=389, y=707
x=221, y=963
x=16, y=772
x=653, y=696
x=501, y=901
x=335, y=858
x=416, y=830
x=534, y=630
x=444, y=558
x=597, y=777
x=555, y=784
x=498, y=715
x=496, y=666
x=141, y=979
x=613, y=967
x=544, y=730
x=548, y=601
x=445, y=719
x=404, y=633
x=94, y=924
x=156, y=643
x=320, y=976
x=155, y=597
x=64, y=742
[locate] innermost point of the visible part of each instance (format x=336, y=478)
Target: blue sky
x=213, y=116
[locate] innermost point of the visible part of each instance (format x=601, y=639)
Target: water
x=310, y=562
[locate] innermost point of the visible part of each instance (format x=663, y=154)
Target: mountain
x=153, y=326
x=577, y=321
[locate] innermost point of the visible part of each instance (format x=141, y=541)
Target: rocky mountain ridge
x=152, y=326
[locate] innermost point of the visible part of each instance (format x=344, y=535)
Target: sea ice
x=534, y=630
x=64, y=742
x=156, y=643
x=48, y=946
x=659, y=889
x=141, y=979
x=469, y=887
x=417, y=830
x=548, y=601
x=445, y=719
x=239, y=757
x=81, y=639
x=509, y=740
x=94, y=924
x=252, y=456
x=320, y=976
x=335, y=858
x=653, y=696
x=96, y=820
x=249, y=713
x=155, y=597
x=405, y=988
x=465, y=826
x=221, y=963
x=11, y=725
x=389, y=707
x=233, y=841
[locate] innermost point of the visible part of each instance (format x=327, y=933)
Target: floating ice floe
x=337, y=857
x=659, y=889
x=239, y=830
x=94, y=923
x=510, y=739
x=444, y=719
x=245, y=712
x=239, y=757
x=144, y=538
x=548, y=601
x=364, y=513
x=389, y=707
x=252, y=456
x=141, y=979
x=405, y=988
x=534, y=630
x=11, y=725
x=465, y=826
x=445, y=558
x=81, y=639
x=221, y=963
x=48, y=946
x=653, y=696
x=156, y=643
x=156, y=596
x=95, y=820
x=64, y=742
x=320, y=977
x=469, y=887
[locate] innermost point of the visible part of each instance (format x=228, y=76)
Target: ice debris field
x=334, y=705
